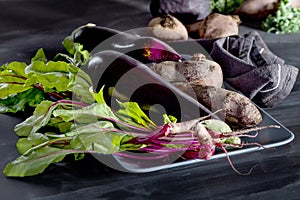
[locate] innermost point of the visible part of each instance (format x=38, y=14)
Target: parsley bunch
x=225, y=6
x=285, y=20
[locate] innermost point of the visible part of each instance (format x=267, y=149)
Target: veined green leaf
x=50, y=75
x=12, y=79
x=39, y=56
x=127, y=146
x=80, y=84
x=80, y=56
x=98, y=96
x=101, y=137
x=79, y=156
x=18, y=102
x=24, y=144
x=69, y=46
x=88, y=114
x=53, y=77
x=103, y=142
x=91, y=128
x=59, y=123
x=36, y=162
x=51, y=66
x=14, y=68
x=131, y=113
x=39, y=119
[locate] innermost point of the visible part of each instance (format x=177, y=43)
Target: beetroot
x=194, y=139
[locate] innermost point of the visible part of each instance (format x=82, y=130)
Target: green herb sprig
x=285, y=20
x=225, y=6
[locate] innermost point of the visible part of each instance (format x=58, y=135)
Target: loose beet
x=201, y=71
x=217, y=25
x=238, y=110
x=145, y=49
x=167, y=27
x=202, y=79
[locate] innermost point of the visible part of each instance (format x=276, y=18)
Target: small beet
x=167, y=27
x=217, y=25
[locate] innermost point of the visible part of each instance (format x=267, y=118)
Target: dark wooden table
x=28, y=25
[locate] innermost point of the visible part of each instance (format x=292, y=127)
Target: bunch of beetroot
x=194, y=139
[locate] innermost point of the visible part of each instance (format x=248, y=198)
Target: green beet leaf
x=99, y=98
x=77, y=55
x=57, y=79
x=39, y=119
x=60, y=124
x=88, y=114
x=80, y=84
x=131, y=113
x=12, y=79
x=94, y=127
x=39, y=56
x=101, y=137
x=14, y=68
x=36, y=161
x=50, y=75
x=43, y=116
x=24, y=144
x=101, y=142
x=80, y=56
x=19, y=102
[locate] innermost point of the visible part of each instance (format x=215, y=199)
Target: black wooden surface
x=28, y=25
